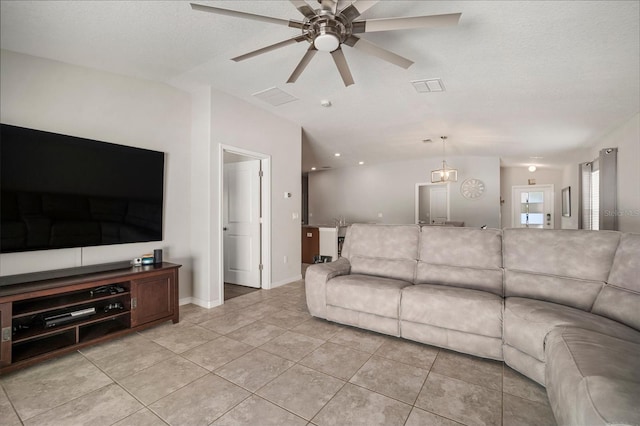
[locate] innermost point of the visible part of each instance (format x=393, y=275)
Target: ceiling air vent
x=275, y=96
x=428, y=85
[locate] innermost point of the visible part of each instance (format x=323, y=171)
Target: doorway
x=533, y=206
x=432, y=203
x=244, y=205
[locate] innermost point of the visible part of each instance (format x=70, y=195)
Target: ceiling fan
x=328, y=29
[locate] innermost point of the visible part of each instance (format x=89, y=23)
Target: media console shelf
x=49, y=315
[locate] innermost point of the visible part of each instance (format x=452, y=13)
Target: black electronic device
x=106, y=289
x=60, y=191
x=65, y=317
x=113, y=306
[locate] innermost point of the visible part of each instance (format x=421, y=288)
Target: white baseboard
x=198, y=302
x=286, y=281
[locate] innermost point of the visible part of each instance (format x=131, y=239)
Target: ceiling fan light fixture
x=326, y=42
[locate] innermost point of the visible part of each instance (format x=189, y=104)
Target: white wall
x=626, y=138
x=360, y=193
x=61, y=98
x=221, y=119
x=512, y=176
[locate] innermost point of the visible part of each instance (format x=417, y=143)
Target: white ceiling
x=523, y=78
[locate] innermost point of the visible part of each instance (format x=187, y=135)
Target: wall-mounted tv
x=61, y=191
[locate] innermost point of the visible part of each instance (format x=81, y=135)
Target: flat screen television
x=60, y=191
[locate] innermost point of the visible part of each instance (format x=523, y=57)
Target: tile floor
x=261, y=359
x=233, y=290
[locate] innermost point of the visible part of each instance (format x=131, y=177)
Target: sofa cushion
x=592, y=378
x=553, y=265
x=477, y=263
x=620, y=298
x=383, y=250
x=363, y=293
x=527, y=323
x=460, y=309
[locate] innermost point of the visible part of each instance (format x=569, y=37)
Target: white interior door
x=439, y=203
x=241, y=223
x=533, y=206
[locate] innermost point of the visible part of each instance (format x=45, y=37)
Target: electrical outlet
x=286, y=259
x=379, y=214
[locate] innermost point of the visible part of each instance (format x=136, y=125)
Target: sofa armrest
x=316, y=279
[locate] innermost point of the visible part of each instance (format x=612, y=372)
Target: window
x=598, y=189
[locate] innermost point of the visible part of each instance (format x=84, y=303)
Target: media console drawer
x=48, y=317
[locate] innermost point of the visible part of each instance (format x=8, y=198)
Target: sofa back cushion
x=620, y=297
x=461, y=257
x=560, y=266
x=383, y=250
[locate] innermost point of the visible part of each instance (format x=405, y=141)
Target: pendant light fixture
x=445, y=174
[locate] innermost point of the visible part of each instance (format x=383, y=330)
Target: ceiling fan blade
x=343, y=68
x=390, y=24
x=357, y=8
x=302, y=64
x=329, y=5
x=245, y=15
x=292, y=40
x=303, y=8
x=375, y=50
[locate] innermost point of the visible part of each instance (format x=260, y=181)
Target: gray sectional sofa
x=560, y=306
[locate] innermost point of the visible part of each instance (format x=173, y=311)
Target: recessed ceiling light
x=325, y=103
x=313, y=168
x=532, y=168
x=361, y=162
x=337, y=154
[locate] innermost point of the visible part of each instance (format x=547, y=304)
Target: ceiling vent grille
x=428, y=85
x=275, y=96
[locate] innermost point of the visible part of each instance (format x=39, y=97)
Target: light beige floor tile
x=420, y=417
x=318, y=328
x=356, y=406
x=301, y=390
x=143, y=417
x=257, y=333
x=200, y=402
x=471, y=369
x=516, y=384
x=100, y=407
x=161, y=379
x=362, y=340
x=143, y=354
x=114, y=347
x=39, y=388
x=194, y=314
x=7, y=413
x=287, y=319
x=261, y=309
x=391, y=378
x=217, y=353
x=460, y=401
x=254, y=369
x=412, y=353
x=257, y=411
x=292, y=346
x=523, y=412
x=229, y=322
x=336, y=360
x=180, y=337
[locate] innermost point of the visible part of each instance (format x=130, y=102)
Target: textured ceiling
x=523, y=78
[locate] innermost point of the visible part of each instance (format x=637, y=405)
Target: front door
x=533, y=206
x=241, y=221
x=438, y=204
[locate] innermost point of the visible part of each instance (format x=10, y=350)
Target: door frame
x=265, y=210
x=417, y=198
